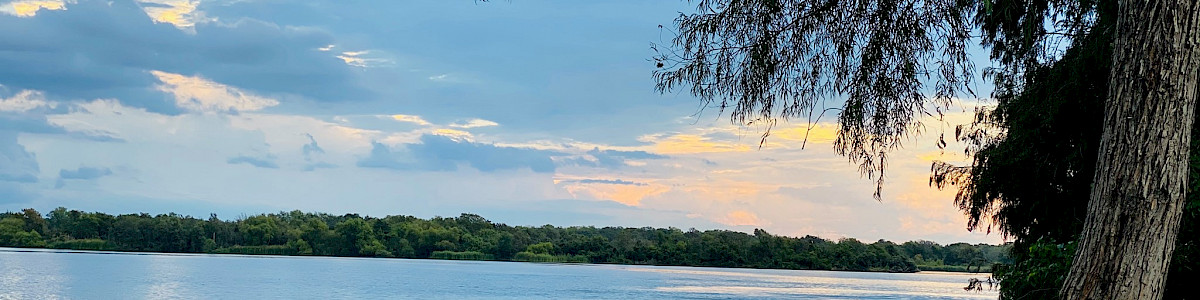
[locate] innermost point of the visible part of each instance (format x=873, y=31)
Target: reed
x=82, y=244
x=464, y=255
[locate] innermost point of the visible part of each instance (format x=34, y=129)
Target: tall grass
x=257, y=250
x=465, y=255
x=527, y=256
x=82, y=244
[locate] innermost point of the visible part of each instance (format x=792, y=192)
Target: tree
x=1138, y=194
x=768, y=60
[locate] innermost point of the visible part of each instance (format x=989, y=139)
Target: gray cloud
x=312, y=148
x=84, y=173
x=16, y=164
x=81, y=173
x=382, y=157
x=613, y=159
x=36, y=123
x=265, y=162
x=312, y=152
x=98, y=49
x=441, y=153
x=606, y=181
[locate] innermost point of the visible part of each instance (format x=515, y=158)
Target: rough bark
x=1138, y=191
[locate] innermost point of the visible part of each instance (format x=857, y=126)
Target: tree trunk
x=1137, y=195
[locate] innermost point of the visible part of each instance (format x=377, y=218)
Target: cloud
x=610, y=181
x=741, y=218
x=96, y=49
x=181, y=13
x=312, y=148
x=411, y=119
x=382, y=157
x=612, y=159
x=84, y=173
x=202, y=95
x=261, y=162
x=81, y=173
x=474, y=123
x=312, y=152
x=628, y=194
x=25, y=101
x=452, y=133
x=604, y=181
x=443, y=153
x=29, y=8
x=691, y=143
x=27, y=110
x=364, y=59
x=484, y=157
x=16, y=164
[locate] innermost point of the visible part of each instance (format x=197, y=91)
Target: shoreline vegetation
x=472, y=237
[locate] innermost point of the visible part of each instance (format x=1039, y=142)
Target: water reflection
x=758, y=283
x=166, y=274
x=31, y=276
x=99, y=275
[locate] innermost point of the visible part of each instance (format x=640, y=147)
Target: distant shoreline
x=472, y=237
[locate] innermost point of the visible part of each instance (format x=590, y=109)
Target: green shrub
x=1038, y=273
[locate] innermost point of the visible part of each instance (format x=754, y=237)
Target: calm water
x=50, y=275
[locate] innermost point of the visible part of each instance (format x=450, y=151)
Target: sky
x=525, y=112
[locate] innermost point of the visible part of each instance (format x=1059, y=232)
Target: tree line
x=471, y=236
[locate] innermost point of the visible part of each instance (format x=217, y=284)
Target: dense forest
x=471, y=236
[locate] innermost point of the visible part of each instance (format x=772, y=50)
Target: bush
x=1038, y=273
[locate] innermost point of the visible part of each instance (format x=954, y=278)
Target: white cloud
x=411, y=119
x=25, y=101
x=364, y=59
x=474, y=123
x=202, y=95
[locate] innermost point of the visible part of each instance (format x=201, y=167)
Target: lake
x=50, y=274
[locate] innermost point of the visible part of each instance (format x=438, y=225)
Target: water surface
x=46, y=274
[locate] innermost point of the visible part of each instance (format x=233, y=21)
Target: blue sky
x=526, y=112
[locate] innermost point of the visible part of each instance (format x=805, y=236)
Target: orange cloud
x=27, y=9
x=452, y=133
x=631, y=195
x=820, y=133
x=411, y=119
x=690, y=143
x=181, y=13
x=740, y=218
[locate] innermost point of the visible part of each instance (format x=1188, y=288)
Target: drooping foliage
x=881, y=65
x=1034, y=152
